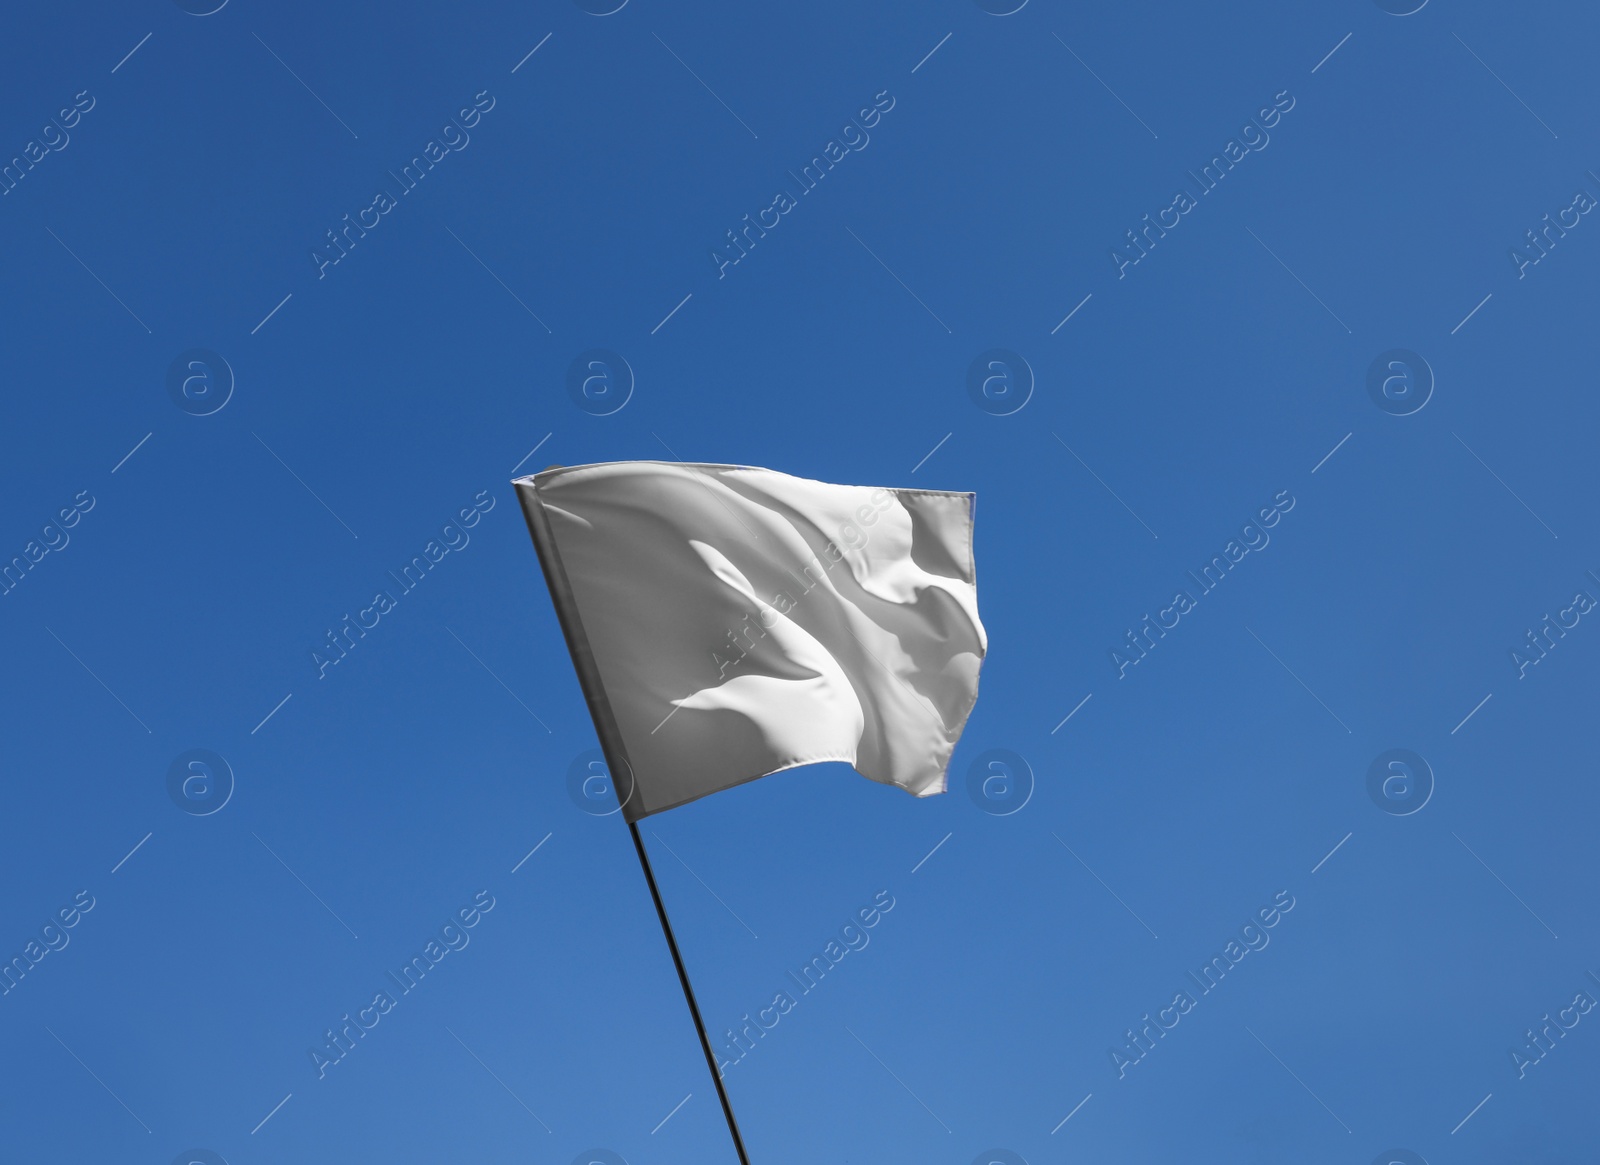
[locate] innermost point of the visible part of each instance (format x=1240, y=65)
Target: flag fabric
x=728, y=622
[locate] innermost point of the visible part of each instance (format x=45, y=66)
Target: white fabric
x=743, y=621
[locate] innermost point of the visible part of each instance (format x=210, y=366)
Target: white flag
x=728, y=622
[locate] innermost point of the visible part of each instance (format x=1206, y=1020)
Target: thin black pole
x=605, y=727
x=688, y=993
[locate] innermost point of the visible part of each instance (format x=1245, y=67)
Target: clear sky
x=1322, y=369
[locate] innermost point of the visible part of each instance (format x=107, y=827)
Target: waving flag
x=729, y=622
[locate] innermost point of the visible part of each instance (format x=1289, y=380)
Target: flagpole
x=611, y=748
x=688, y=993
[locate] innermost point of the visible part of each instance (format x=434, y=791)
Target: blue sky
x=224, y=432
